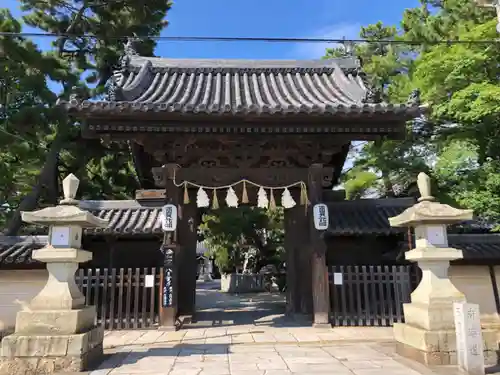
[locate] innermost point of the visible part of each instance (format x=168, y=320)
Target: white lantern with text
x=320, y=215
x=169, y=218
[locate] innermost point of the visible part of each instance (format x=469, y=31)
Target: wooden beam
x=214, y=177
x=320, y=286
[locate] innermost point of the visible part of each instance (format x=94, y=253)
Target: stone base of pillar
x=45, y=354
x=60, y=322
x=435, y=348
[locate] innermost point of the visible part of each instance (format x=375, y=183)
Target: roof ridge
x=200, y=64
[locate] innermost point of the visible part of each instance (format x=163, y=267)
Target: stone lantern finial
x=70, y=188
x=424, y=186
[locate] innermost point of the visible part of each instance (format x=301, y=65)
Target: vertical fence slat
x=390, y=286
x=351, y=295
x=381, y=299
x=343, y=295
x=137, y=287
x=152, y=295
x=120, y=300
x=105, y=303
x=374, y=299
x=144, y=320
x=88, y=286
x=398, y=272
x=112, y=293
x=97, y=284
x=359, y=307
x=366, y=282
x=128, y=302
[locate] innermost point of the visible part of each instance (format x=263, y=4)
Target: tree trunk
x=45, y=178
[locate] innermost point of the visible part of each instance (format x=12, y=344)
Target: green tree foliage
x=457, y=142
x=85, y=63
x=231, y=233
x=26, y=112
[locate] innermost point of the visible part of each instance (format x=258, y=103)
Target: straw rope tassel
x=244, y=195
x=215, y=201
x=186, y=193
x=272, y=202
x=303, y=195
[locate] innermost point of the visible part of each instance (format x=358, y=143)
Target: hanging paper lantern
x=202, y=199
x=287, y=200
x=231, y=198
x=262, y=201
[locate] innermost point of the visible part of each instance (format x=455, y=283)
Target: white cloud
x=305, y=50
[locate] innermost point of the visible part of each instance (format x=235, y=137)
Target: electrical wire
x=249, y=39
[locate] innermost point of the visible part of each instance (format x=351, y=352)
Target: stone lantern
x=428, y=334
x=56, y=331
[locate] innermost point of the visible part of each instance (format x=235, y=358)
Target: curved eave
x=102, y=109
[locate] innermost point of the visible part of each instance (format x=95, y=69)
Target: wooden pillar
x=298, y=258
x=320, y=287
x=168, y=285
x=187, y=264
x=291, y=274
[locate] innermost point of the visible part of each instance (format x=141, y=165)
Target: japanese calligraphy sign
x=470, y=354
x=169, y=218
x=320, y=214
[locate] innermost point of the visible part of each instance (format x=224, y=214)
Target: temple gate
x=196, y=122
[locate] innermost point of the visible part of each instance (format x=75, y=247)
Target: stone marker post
x=428, y=334
x=470, y=352
x=56, y=331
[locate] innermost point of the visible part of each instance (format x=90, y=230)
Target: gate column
x=320, y=287
x=165, y=177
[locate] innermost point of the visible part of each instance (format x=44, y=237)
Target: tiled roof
x=476, y=246
x=125, y=217
x=366, y=216
x=19, y=249
x=239, y=87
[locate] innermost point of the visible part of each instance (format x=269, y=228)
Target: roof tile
x=322, y=87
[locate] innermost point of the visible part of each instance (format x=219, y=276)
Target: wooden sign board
x=150, y=194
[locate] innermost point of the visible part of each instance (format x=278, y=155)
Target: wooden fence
x=121, y=297
x=370, y=295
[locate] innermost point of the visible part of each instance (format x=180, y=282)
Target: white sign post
x=320, y=214
x=470, y=355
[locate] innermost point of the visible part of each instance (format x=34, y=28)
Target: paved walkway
x=251, y=336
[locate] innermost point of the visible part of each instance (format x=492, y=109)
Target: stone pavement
x=247, y=335
x=249, y=359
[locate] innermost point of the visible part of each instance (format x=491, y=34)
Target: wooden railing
x=121, y=296
x=370, y=295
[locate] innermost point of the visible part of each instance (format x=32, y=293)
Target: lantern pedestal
x=56, y=331
x=428, y=334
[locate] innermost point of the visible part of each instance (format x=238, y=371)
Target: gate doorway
x=370, y=295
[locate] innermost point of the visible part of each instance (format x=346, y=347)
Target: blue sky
x=271, y=18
